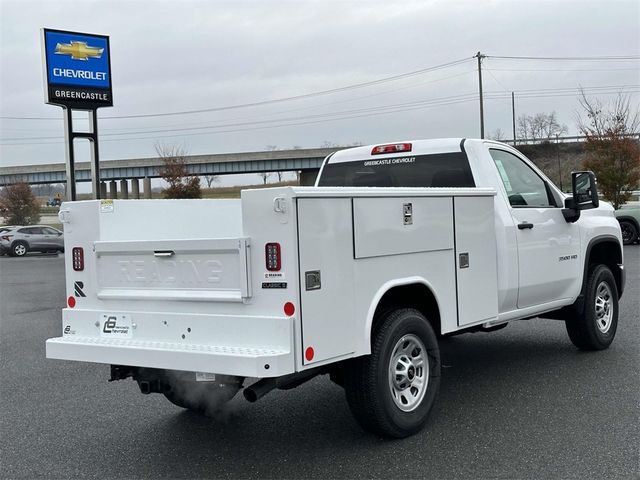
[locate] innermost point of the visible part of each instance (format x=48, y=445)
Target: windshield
x=435, y=170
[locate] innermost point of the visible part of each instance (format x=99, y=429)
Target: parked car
x=39, y=238
x=629, y=218
x=6, y=228
x=54, y=202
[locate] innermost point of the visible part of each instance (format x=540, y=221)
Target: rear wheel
x=629, y=232
x=595, y=328
x=392, y=391
x=205, y=397
x=19, y=249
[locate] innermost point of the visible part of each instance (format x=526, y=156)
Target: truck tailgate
x=198, y=269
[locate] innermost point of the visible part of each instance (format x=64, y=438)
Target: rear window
x=435, y=170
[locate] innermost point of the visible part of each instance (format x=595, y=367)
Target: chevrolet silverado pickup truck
x=395, y=247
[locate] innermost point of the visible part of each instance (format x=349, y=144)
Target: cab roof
x=418, y=147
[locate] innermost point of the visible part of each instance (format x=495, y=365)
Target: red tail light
x=391, y=148
x=272, y=257
x=77, y=257
x=6, y=237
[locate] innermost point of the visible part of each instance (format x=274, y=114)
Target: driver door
x=548, y=246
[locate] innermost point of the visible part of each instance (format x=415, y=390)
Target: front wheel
x=629, y=232
x=595, y=328
x=392, y=391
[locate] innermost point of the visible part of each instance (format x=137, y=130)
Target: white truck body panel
x=183, y=285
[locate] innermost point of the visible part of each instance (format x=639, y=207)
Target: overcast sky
x=177, y=56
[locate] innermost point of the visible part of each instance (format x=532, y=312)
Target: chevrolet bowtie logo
x=78, y=50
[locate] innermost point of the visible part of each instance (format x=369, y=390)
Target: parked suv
x=629, y=218
x=40, y=238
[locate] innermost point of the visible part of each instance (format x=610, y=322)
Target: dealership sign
x=77, y=69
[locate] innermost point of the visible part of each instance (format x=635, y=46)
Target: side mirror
x=585, y=195
x=585, y=190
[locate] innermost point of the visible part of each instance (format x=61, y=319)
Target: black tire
x=369, y=384
x=629, y=232
x=19, y=249
x=206, y=398
x=595, y=329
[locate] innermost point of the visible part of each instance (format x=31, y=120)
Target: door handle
x=163, y=253
x=525, y=225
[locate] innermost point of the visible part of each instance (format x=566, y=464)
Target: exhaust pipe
x=259, y=389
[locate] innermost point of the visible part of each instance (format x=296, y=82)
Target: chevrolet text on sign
x=77, y=69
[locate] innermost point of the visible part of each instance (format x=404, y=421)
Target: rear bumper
x=244, y=362
x=225, y=344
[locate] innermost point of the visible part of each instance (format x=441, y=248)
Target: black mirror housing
x=585, y=190
x=585, y=195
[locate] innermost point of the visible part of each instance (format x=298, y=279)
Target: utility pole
x=558, y=159
x=480, y=56
x=513, y=116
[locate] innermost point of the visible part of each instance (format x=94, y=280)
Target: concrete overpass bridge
x=307, y=161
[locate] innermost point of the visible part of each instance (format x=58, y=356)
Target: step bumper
x=222, y=359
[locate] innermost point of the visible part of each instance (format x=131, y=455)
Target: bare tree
x=541, y=126
x=174, y=172
x=497, y=135
x=211, y=179
x=265, y=176
x=613, y=150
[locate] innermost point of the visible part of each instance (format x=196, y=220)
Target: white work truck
x=396, y=246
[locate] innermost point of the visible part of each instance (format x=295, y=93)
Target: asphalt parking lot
x=518, y=403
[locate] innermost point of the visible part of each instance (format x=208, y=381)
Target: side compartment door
x=476, y=262
x=548, y=246
x=325, y=233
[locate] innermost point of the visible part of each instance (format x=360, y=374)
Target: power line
x=277, y=100
x=372, y=111
x=497, y=81
x=586, y=59
x=224, y=125
x=563, y=69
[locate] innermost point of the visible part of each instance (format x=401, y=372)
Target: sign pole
x=69, y=152
x=95, y=157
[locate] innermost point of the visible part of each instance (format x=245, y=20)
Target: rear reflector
x=272, y=257
x=289, y=309
x=77, y=257
x=391, y=148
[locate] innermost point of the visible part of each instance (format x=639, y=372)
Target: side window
x=524, y=187
x=49, y=231
x=26, y=231
x=36, y=231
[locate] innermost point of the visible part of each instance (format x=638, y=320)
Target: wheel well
x=606, y=252
x=415, y=295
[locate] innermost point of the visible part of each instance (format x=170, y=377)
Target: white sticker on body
x=115, y=325
x=279, y=276
x=106, y=206
x=205, y=377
